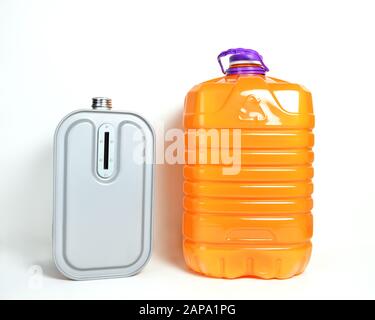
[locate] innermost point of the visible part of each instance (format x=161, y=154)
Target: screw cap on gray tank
x=101, y=103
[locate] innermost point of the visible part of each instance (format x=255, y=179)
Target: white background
x=145, y=55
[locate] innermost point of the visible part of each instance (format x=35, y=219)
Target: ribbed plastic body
x=257, y=222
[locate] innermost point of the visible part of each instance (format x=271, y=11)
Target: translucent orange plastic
x=257, y=223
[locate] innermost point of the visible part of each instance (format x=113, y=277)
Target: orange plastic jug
x=254, y=221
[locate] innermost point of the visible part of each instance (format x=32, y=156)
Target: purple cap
x=247, y=56
x=240, y=57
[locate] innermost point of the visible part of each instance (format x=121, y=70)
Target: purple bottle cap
x=241, y=56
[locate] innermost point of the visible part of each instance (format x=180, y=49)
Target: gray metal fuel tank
x=103, y=193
